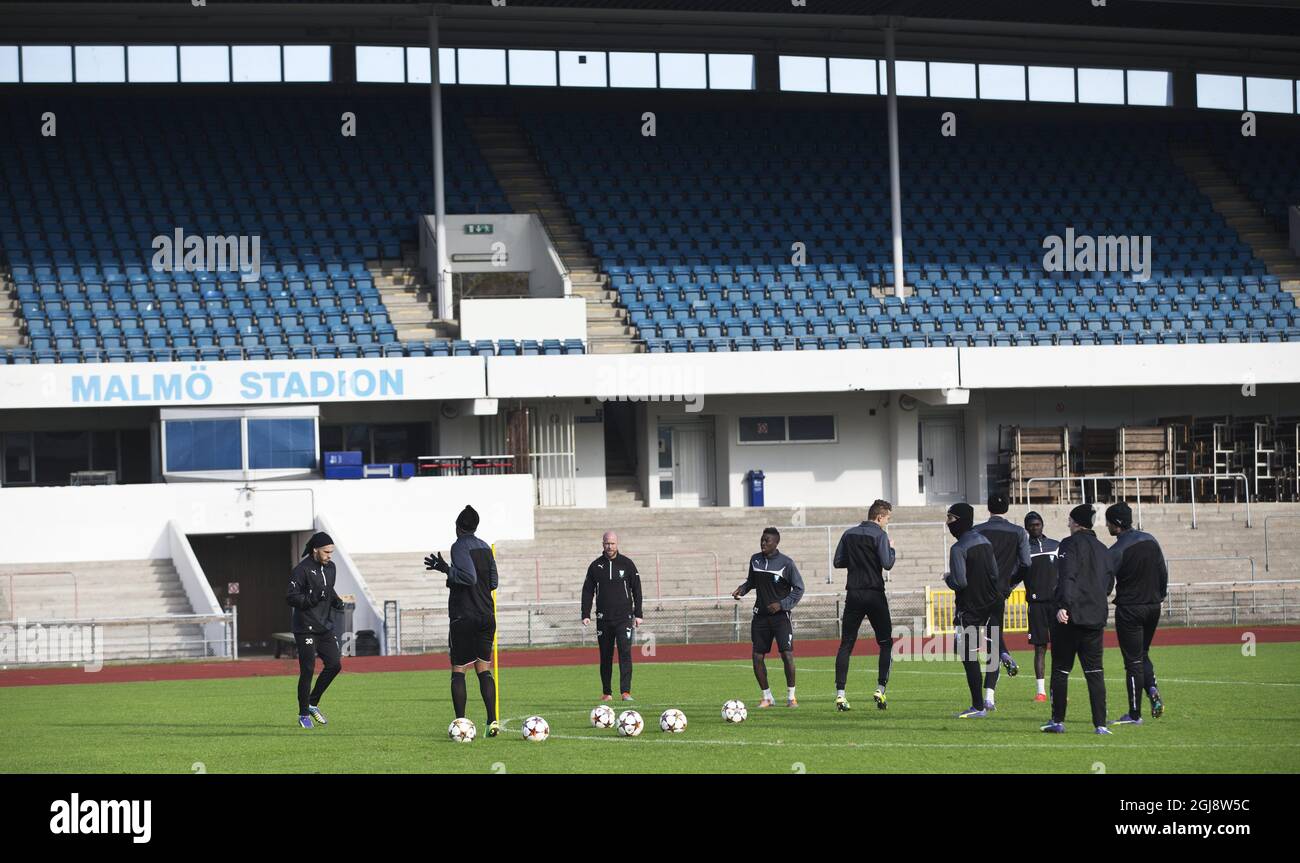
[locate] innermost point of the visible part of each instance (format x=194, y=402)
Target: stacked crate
x=1039, y=452
x=1144, y=451
x=1096, y=457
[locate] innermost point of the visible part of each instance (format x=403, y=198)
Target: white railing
x=92, y=641
x=1125, y=479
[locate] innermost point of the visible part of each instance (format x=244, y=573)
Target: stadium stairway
x=509, y=154
x=108, y=589
x=1240, y=212
x=409, y=298
x=676, y=550
x=11, y=334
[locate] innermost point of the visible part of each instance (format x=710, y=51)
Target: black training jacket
x=973, y=573
x=1141, y=576
x=864, y=551
x=312, y=597
x=1085, y=578
x=1010, y=549
x=1040, y=576
x=472, y=578
x=615, y=585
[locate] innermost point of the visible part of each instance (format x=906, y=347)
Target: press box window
x=204, y=445
x=793, y=429
x=281, y=443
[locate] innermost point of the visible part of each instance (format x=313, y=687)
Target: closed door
x=692, y=449
x=942, y=465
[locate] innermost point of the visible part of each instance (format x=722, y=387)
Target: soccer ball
x=462, y=731
x=630, y=723
x=734, y=711
x=672, y=721
x=602, y=717
x=536, y=729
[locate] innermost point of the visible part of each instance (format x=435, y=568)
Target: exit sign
x=484, y=228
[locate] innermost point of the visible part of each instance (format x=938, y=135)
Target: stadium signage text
x=197, y=386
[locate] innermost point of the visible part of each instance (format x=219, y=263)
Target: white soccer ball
x=602, y=717
x=462, y=731
x=630, y=723
x=734, y=711
x=536, y=729
x=673, y=721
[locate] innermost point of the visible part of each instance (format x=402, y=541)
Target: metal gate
x=551, y=453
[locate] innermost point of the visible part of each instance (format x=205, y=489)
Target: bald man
x=613, y=582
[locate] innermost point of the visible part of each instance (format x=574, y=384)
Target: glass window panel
x=911, y=77
x=151, y=64
x=1051, y=84
x=582, y=68
x=8, y=64
x=309, y=63
x=762, y=429
x=256, y=63
x=1219, y=91
x=1272, y=95
x=1150, y=87
x=281, y=443
x=58, y=454
x=849, y=75
x=532, y=68
x=419, y=69
x=194, y=445
x=47, y=64
x=205, y=64
x=803, y=74
x=951, y=81
x=101, y=64
x=1101, y=86
x=812, y=428
x=1002, y=82
x=18, y=457
x=632, y=69
x=682, y=71
x=381, y=64
x=482, y=66
x=731, y=71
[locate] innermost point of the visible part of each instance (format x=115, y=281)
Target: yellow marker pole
x=496, y=634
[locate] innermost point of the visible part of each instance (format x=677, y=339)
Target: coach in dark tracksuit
x=471, y=578
x=866, y=551
x=1141, y=583
x=615, y=585
x=1085, y=578
x=973, y=577
x=312, y=597
x=1011, y=550
x=1040, y=594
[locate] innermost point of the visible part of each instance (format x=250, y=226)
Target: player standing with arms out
x=973, y=577
x=1141, y=583
x=1040, y=592
x=312, y=597
x=471, y=578
x=1085, y=578
x=615, y=585
x=777, y=587
x=1011, y=550
x=866, y=551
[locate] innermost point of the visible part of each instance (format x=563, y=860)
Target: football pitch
x=1225, y=712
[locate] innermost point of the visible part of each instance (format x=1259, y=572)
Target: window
x=481, y=66
x=1150, y=88
x=151, y=64
x=1002, y=82
x=794, y=429
x=8, y=64
x=909, y=75
x=532, y=68
x=853, y=76
x=378, y=444
x=731, y=71
x=307, y=63
x=951, y=81
x=632, y=69
x=1051, y=84
x=281, y=443
x=1219, y=91
x=582, y=69
x=47, y=64
x=812, y=428
x=1101, y=86
x=256, y=63
x=1272, y=95
x=384, y=65
x=198, y=445
x=205, y=64
x=682, y=71
x=101, y=64
x=803, y=74
x=18, y=458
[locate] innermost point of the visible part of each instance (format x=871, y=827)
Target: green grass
x=1225, y=713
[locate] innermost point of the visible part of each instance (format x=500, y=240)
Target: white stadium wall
x=538, y=319
x=378, y=516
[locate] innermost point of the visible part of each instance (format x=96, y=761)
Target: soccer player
x=1141, y=582
x=973, y=577
x=1011, y=550
x=777, y=587
x=471, y=578
x=1085, y=578
x=1040, y=592
x=866, y=551
x=615, y=585
x=312, y=597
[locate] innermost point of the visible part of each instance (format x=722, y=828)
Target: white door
x=692, y=449
x=942, y=462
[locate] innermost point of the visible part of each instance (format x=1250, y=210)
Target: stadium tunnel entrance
x=250, y=572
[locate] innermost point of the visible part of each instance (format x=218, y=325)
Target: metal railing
x=95, y=640
x=76, y=593
x=1267, y=519
x=1173, y=477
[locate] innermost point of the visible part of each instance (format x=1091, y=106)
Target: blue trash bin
x=754, y=488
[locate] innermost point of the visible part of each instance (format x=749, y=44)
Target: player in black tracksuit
x=1040, y=593
x=866, y=551
x=1141, y=583
x=615, y=585
x=777, y=587
x=312, y=597
x=1011, y=549
x=973, y=577
x=1085, y=578
x=471, y=578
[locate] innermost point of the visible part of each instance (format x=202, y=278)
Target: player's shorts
x=1041, y=615
x=470, y=639
x=767, y=628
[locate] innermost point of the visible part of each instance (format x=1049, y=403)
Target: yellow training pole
x=496, y=634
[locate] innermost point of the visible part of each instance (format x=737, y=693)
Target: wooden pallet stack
x=1095, y=456
x=1039, y=452
x=1144, y=451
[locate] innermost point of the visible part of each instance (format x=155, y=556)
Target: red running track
x=737, y=651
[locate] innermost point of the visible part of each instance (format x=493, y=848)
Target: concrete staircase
x=11, y=333
x=86, y=591
x=410, y=300
x=623, y=491
x=1241, y=213
x=508, y=153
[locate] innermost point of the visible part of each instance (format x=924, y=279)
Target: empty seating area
x=1267, y=168
x=79, y=214
x=697, y=226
